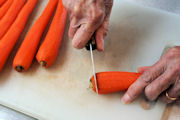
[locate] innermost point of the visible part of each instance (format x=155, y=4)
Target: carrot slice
x=49, y=49
x=27, y=50
x=8, y=41
x=2, y=2
x=5, y=8
x=109, y=82
x=10, y=16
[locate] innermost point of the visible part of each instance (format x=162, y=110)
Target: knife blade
x=93, y=66
x=92, y=46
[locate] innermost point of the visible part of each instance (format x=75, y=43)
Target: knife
x=90, y=47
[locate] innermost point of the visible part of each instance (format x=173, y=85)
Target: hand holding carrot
x=159, y=80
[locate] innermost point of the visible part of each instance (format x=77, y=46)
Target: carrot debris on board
x=48, y=51
x=8, y=41
x=109, y=82
x=2, y=2
x=28, y=48
x=5, y=8
x=10, y=16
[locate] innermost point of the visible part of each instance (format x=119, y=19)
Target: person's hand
x=86, y=18
x=159, y=80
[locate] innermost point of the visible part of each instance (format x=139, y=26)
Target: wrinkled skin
x=86, y=18
x=156, y=80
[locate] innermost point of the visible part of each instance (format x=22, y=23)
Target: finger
x=173, y=92
x=164, y=99
x=73, y=27
x=163, y=82
x=82, y=36
x=100, y=35
x=101, y=32
x=146, y=78
x=143, y=69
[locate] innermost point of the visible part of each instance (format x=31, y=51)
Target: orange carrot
x=48, y=51
x=27, y=50
x=2, y=2
x=10, y=16
x=5, y=8
x=8, y=41
x=109, y=82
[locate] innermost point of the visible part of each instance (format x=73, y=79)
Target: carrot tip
x=43, y=63
x=19, y=68
x=91, y=85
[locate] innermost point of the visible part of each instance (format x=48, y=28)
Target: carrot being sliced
x=28, y=48
x=49, y=49
x=8, y=41
x=10, y=16
x=2, y=2
x=109, y=82
x=5, y=8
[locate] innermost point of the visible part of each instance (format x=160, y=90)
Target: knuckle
x=147, y=77
x=149, y=93
x=173, y=52
x=174, y=68
x=76, y=10
x=97, y=18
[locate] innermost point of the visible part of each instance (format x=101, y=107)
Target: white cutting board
x=137, y=37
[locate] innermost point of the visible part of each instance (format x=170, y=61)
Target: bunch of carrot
x=50, y=47
x=13, y=18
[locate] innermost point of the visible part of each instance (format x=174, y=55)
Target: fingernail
x=125, y=99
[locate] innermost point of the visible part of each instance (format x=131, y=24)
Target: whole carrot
x=2, y=2
x=8, y=41
x=48, y=51
x=5, y=8
x=109, y=82
x=27, y=50
x=10, y=16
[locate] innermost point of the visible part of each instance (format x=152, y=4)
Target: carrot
x=48, y=51
x=10, y=16
x=8, y=41
x=5, y=8
x=27, y=50
x=2, y=2
x=109, y=82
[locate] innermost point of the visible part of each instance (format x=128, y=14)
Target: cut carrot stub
x=49, y=49
x=28, y=48
x=10, y=16
x=110, y=82
x=5, y=8
x=8, y=41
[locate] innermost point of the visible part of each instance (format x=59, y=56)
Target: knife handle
x=93, y=42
